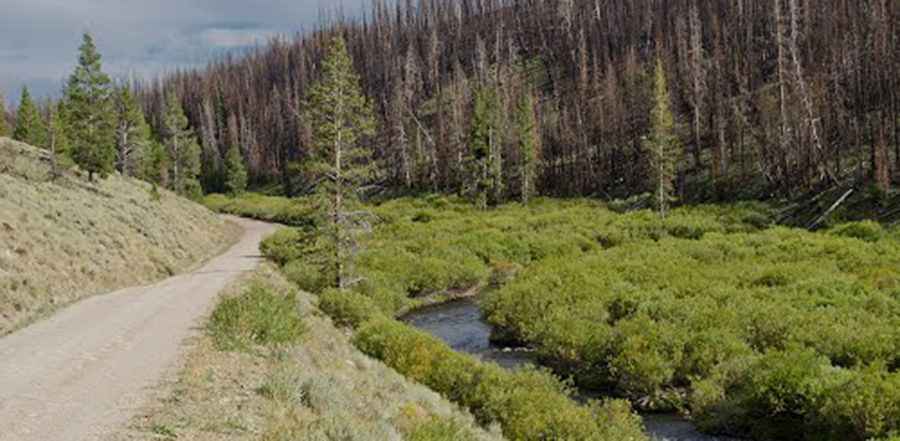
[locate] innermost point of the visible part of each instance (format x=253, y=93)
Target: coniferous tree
x=182, y=149
x=89, y=106
x=57, y=142
x=58, y=138
x=483, y=146
x=155, y=164
x=663, y=148
x=30, y=127
x=235, y=171
x=529, y=145
x=340, y=117
x=132, y=133
x=4, y=129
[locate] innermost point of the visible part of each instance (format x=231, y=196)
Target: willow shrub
x=800, y=330
x=528, y=404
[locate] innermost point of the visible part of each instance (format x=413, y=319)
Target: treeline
x=101, y=127
x=767, y=95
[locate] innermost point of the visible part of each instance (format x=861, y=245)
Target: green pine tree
x=90, y=111
x=340, y=117
x=235, y=171
x=484, y=147
x=155, y=165
x=182, y=149
x=30, y=127
x=529, y=145
x=58, y=132
x=132, y=133
x=662, y=145
x=57, y=142
x=58, y=138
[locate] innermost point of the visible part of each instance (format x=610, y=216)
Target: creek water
x=461, y=325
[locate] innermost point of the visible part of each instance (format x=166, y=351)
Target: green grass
x=258, y=316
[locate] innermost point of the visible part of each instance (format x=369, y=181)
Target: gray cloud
x=39, y=38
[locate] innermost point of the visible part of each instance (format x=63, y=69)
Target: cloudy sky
x=39, y=38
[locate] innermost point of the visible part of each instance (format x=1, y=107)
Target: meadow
x=746, y=327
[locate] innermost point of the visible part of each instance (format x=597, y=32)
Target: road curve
x=84, y=372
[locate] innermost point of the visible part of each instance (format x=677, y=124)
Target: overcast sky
x=39, y=38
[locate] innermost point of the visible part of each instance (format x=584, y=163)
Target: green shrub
x=257, y=316
x=865, y=406
x=295, y=212
x=440, y=429
x=307, y=276
x=348, y=308
x=286, y=245
x=423, y=217
x=869, y=231
x=528, y=404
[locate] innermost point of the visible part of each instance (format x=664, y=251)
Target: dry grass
x=66, y=239
x=321, y=388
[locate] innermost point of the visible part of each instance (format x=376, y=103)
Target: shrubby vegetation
x=747, y=327
x=294, y=212
x=529, y=404
x=441, y=246
x=765, y=333
x=259, y=315
x=434, y=248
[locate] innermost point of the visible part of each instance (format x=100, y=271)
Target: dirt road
x=84, y=371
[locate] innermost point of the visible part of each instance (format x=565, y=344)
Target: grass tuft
x=258, y=316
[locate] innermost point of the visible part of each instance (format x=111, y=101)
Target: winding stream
x=461, y=325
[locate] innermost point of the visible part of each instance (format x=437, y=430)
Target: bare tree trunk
x=337, y=215
x=698, y=84
x=817, y=159
x=51, y=129
x=881, y=157
x=782, y=92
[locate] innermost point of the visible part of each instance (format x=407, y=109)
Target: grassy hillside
x=64, y=239
x=278, y=384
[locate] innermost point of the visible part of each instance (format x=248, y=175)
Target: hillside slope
x=66, y=239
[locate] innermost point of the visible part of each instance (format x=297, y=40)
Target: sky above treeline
x=39, y=39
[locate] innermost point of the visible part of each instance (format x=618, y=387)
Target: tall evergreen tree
x=90, y=109
x=57, y=137
x=235, y=171
x=483, y=147
x=182, y=148
x=58, y=131
x=30, y=127
x=132, y=133
x=340, y=117
x=529, y=145
x=155, y=164
x=662, y=145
